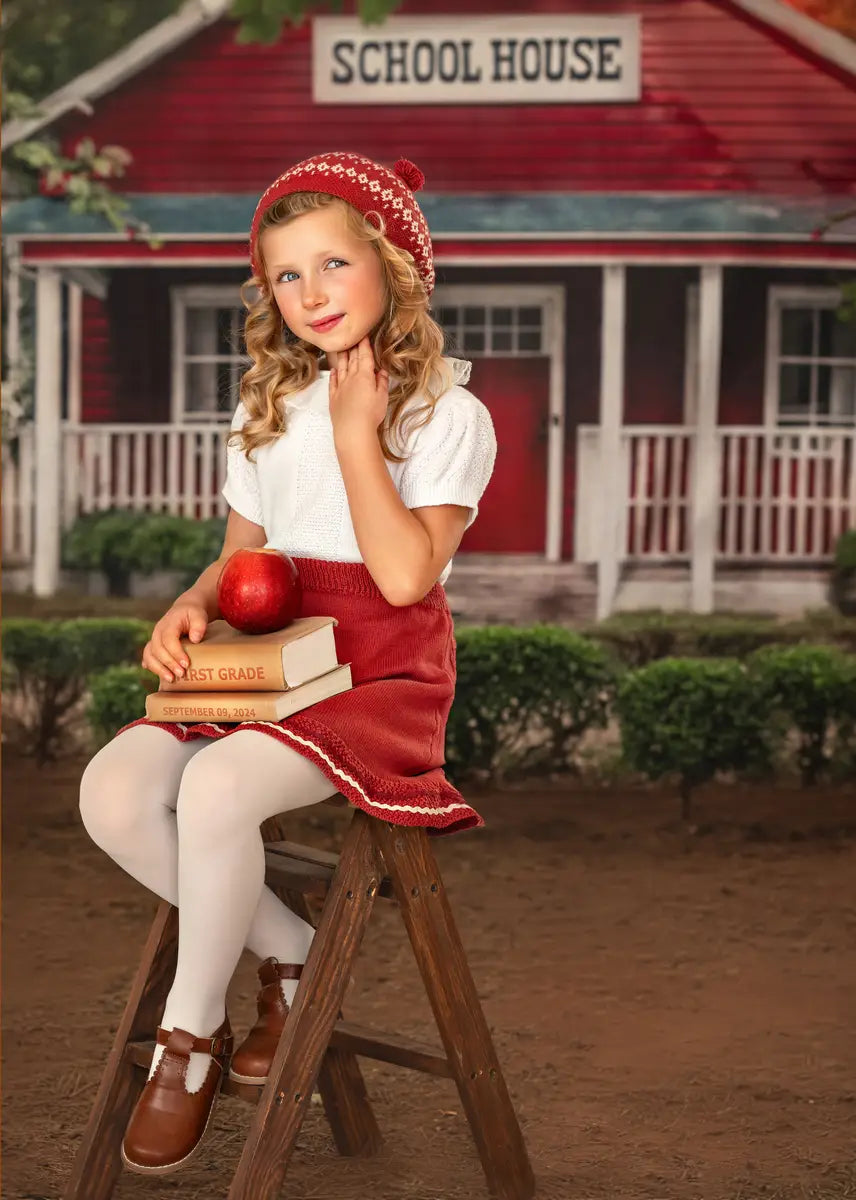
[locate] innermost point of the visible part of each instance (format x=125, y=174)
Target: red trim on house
x=126, y=252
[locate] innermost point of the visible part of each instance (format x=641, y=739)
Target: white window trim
x=552, y=303
x=779, y=297
x=182, y=298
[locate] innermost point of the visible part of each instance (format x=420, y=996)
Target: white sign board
x=555, y=59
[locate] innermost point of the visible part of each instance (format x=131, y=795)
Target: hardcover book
x=227, y=660
x=166, y=705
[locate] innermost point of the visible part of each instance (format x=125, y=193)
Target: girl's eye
x=336, y=262
x=287, y=276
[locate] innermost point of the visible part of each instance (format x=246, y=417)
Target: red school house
x=633, y=207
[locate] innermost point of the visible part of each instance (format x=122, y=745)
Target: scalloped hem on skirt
x=430, y=801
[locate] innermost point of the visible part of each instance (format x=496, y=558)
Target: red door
x=513, y=511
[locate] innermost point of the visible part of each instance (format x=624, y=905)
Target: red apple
x=259, y=590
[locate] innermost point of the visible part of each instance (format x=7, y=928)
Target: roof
x=193, y=16
x=489, y=216
x=196, y=15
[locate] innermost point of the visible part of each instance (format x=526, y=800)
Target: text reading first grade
x=240, y=674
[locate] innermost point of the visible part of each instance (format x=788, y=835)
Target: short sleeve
x=241, y=488
x=453, y=455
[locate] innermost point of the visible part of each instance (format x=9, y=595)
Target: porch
x=656, y=503
x=765, y=511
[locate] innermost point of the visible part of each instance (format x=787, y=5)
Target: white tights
x=183, y=818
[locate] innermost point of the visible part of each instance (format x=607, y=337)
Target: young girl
x=367, y=473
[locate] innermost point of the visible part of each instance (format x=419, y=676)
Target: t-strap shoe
x=251, y=1061
x=168, y=1123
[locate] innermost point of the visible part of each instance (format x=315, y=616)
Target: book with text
x=227, y=660
x=164, y=705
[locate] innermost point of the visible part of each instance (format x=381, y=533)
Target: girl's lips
x=329, y=323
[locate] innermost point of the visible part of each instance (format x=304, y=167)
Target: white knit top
x=295, y=490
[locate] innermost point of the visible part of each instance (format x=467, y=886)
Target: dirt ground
x=674, y=1010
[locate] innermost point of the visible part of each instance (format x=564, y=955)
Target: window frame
x=182, y=298
x=490, y=297
x=780, y=298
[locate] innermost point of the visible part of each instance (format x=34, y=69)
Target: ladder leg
x=305, y=1039
x=437, y=946
x=97, y=1163
x=340, y=1081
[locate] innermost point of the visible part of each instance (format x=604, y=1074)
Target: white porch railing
x=161, y=468
x=18, y=505
x=785, y=493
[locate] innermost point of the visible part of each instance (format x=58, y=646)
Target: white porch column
x=612, y=485
x=706, y=468
x=13, y=315
x=48, y=434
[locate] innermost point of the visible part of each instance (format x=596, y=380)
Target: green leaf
x=259, y=29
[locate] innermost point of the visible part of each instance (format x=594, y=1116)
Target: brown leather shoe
x=251, y=1061
x=168, y=1122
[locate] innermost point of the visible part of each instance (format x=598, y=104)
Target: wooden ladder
x=317, y=1048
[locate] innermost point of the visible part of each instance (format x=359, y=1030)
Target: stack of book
x=237, y=676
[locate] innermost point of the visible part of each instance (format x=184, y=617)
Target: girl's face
x=327, y=283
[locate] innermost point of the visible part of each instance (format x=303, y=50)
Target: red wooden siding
x=726, y=105
x=654, y=362
x=98, y=376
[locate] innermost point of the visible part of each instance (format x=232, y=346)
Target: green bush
x=825, y=627
x=843, y=581
x=811, y=689
x=117, y=697
x=198, y=545
x=524, y=698
x=102, y=541
x=46, y=667
x=690, y=719
x=166, y=542
x=119, y=541
x=845, y=551
x=638, y=638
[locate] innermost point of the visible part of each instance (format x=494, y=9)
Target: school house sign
x=555, y=59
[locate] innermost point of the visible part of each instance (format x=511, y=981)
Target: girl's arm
x=163, y=653
x=404, y=552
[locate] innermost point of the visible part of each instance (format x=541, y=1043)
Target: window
x=209, y=355
x=487, y=330
x=811, y=359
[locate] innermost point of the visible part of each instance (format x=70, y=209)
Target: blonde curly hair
x=407, y=343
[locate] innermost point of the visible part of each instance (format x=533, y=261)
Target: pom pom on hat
x=410, y=173
x=369, y=187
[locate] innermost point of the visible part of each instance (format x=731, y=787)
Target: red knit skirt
x=381, y=743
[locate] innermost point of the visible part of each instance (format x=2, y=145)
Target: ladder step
x=357, y=1039
x=306, y=869
x=389, y=1047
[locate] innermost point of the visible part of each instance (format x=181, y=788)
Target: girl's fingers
x=165, y=661
x=365, y=358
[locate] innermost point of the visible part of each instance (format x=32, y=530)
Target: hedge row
x=637, y=638
x=525, y=698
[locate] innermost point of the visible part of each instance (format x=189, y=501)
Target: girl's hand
x=163, y=654
x=359, y=394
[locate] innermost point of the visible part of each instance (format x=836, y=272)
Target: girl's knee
x=114, y=800
x=209, y=800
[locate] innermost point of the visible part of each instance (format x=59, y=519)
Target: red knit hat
x=369, y=187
